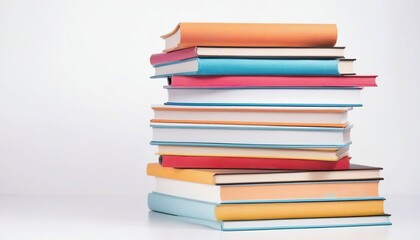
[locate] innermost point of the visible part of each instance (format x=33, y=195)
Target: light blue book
x=204, y=213
x=284, y=224
x=249, y=136
x=245, y=66
x=242, y=145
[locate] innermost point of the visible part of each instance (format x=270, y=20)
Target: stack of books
x=254, y=134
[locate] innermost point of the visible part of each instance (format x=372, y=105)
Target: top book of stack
x=187, y=35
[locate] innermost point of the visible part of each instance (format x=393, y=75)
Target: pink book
x=273, y=81
x=160, y=58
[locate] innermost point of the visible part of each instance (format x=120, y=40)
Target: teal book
x=245, y=66
x=284, y=224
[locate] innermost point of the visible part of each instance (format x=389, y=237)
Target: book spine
x=252, y=163
x=220, y=66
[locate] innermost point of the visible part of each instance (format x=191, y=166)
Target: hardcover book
x=247, y=66
x=260, y=211
x=265, y=116
x=238, y=135
x=247, y=52
x=323, y=154
x=251, y=163
x=278, y=224
x=272, y=81
x=241, y=176
x=269, y=192
x=187, y=35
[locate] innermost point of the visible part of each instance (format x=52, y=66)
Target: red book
x=252, y=163
x=273, y=81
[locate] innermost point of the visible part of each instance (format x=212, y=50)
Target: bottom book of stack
x=232, y=200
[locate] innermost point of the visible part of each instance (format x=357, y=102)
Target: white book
x=272, y=192
x=287, y=97
x=280, y=116
x=251, y=135
x=271, y=52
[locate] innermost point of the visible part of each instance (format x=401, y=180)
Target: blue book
x=206, y=213
x=245, y=66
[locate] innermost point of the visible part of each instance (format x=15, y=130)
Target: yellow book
x=260, y=211
x=298, y=210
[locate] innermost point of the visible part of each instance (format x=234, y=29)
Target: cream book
x=332, y=154
x=269, y=116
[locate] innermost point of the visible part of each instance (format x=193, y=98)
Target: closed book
x=268, y=192
x=273, y=81
x=251, y=163
x=240, y=115
x=251, y=136
x=242, y=176
x=267, y=97
x=187, y=35
x=249, y=226
x=247, y=52
x=248, y=66
x=326, y=154
x=259, y=211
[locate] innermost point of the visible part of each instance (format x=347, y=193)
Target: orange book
x=237, y=176
x=187, y=35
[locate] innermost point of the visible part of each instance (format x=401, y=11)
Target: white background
x=75, y=99
x=75, y=92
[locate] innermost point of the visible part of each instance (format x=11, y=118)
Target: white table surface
x=127, y=217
